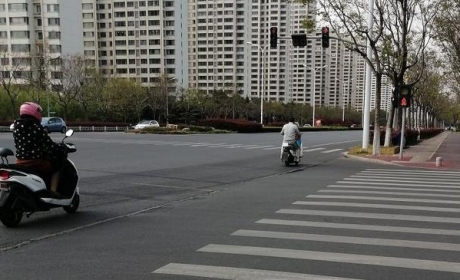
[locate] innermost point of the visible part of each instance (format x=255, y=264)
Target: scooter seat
x=22, y=168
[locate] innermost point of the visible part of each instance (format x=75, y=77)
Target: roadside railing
x=85, y=128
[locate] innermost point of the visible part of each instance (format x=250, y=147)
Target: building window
x=54, y=35
x=55, y=48
x=88, y=15
x=16, y=7
x=20, y=48
x=88, y=25
x=54, y=22
x=20, y=35
x=19, y=21
x=87, y=6
x=52, y=8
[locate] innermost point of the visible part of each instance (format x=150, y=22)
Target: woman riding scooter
x=34, y=148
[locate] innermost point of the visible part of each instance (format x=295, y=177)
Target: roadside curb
x=373, y=160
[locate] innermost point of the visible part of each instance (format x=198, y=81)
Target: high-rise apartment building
x=30, y=29
x=217, y=32
x=137, y=39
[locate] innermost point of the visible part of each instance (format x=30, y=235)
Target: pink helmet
x=31, y=109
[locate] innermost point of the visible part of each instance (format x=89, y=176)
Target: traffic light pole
x=261, y=60
x=403, y=126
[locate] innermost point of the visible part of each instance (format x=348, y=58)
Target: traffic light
x=273, y=37
x=299, y=40
x=395, y=98
x=325, y=37
x=405, y=96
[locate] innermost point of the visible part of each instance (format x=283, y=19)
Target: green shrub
x=241, y=126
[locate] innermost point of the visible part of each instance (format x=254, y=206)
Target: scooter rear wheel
x=72, y=208
x=11, y=218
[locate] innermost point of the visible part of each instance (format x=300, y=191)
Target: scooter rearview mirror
x=69, y=133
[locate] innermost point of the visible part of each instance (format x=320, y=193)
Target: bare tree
x=70, y=82
x=13, y=71
x=160, y=95
x=400, y=27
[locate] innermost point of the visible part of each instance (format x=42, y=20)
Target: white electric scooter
x=23, y=191
x=291, y=154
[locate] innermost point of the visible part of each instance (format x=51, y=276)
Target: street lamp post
x=343, y=97
x=261, y=60
x=167, y=98
x=47, y=91
x=314, y=90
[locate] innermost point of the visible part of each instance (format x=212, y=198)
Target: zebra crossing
x=208, y=145
x=382, y=220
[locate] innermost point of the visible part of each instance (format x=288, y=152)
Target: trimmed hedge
x=241, y=126
x=410, y=135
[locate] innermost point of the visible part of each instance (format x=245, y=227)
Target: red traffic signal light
x=325, y=37
x=273, y=37
x=405, y=96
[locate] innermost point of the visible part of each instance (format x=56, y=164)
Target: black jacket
x=33, y=142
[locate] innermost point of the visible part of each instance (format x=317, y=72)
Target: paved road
x=121, y=174
x=219, y=212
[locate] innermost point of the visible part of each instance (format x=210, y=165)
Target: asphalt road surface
x=225, y=207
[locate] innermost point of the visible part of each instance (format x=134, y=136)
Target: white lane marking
x=424, y=231
x=274, y=148
x=312, y=150
x=406, y=178
x=380, y=206
x=390, y=193
x=249, y=146
x=233, y=146
x=184, y=144
x=395, y=217
x=257, y=147
x=200, y=145
x=172, y=187
x=399, y=174
x=331, y=151
x=380, y=198
x=350, y=240
x=399, y=181
x=334, y=257
x=398, y=184
x=394, y=188
x=232, y=273
x=413, y=171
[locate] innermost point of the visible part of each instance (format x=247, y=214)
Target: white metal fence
x=85, y=128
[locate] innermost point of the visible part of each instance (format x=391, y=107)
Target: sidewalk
x=445, y=145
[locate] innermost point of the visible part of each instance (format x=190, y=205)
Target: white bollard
x=438, y=161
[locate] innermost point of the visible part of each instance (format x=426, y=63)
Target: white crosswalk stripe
x=219, y=272
x=333, y=257
x=424, y=201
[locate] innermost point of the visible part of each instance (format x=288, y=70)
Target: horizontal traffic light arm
x=320, y=37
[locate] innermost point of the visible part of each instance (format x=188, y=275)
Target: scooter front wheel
x=11, y=218
x=72, y=208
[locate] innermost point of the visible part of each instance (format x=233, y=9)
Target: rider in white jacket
x=290, y=134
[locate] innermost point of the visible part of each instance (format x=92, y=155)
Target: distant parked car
x=146, y=123
x=307, y=125
x=50, y=124
x=54, y=124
